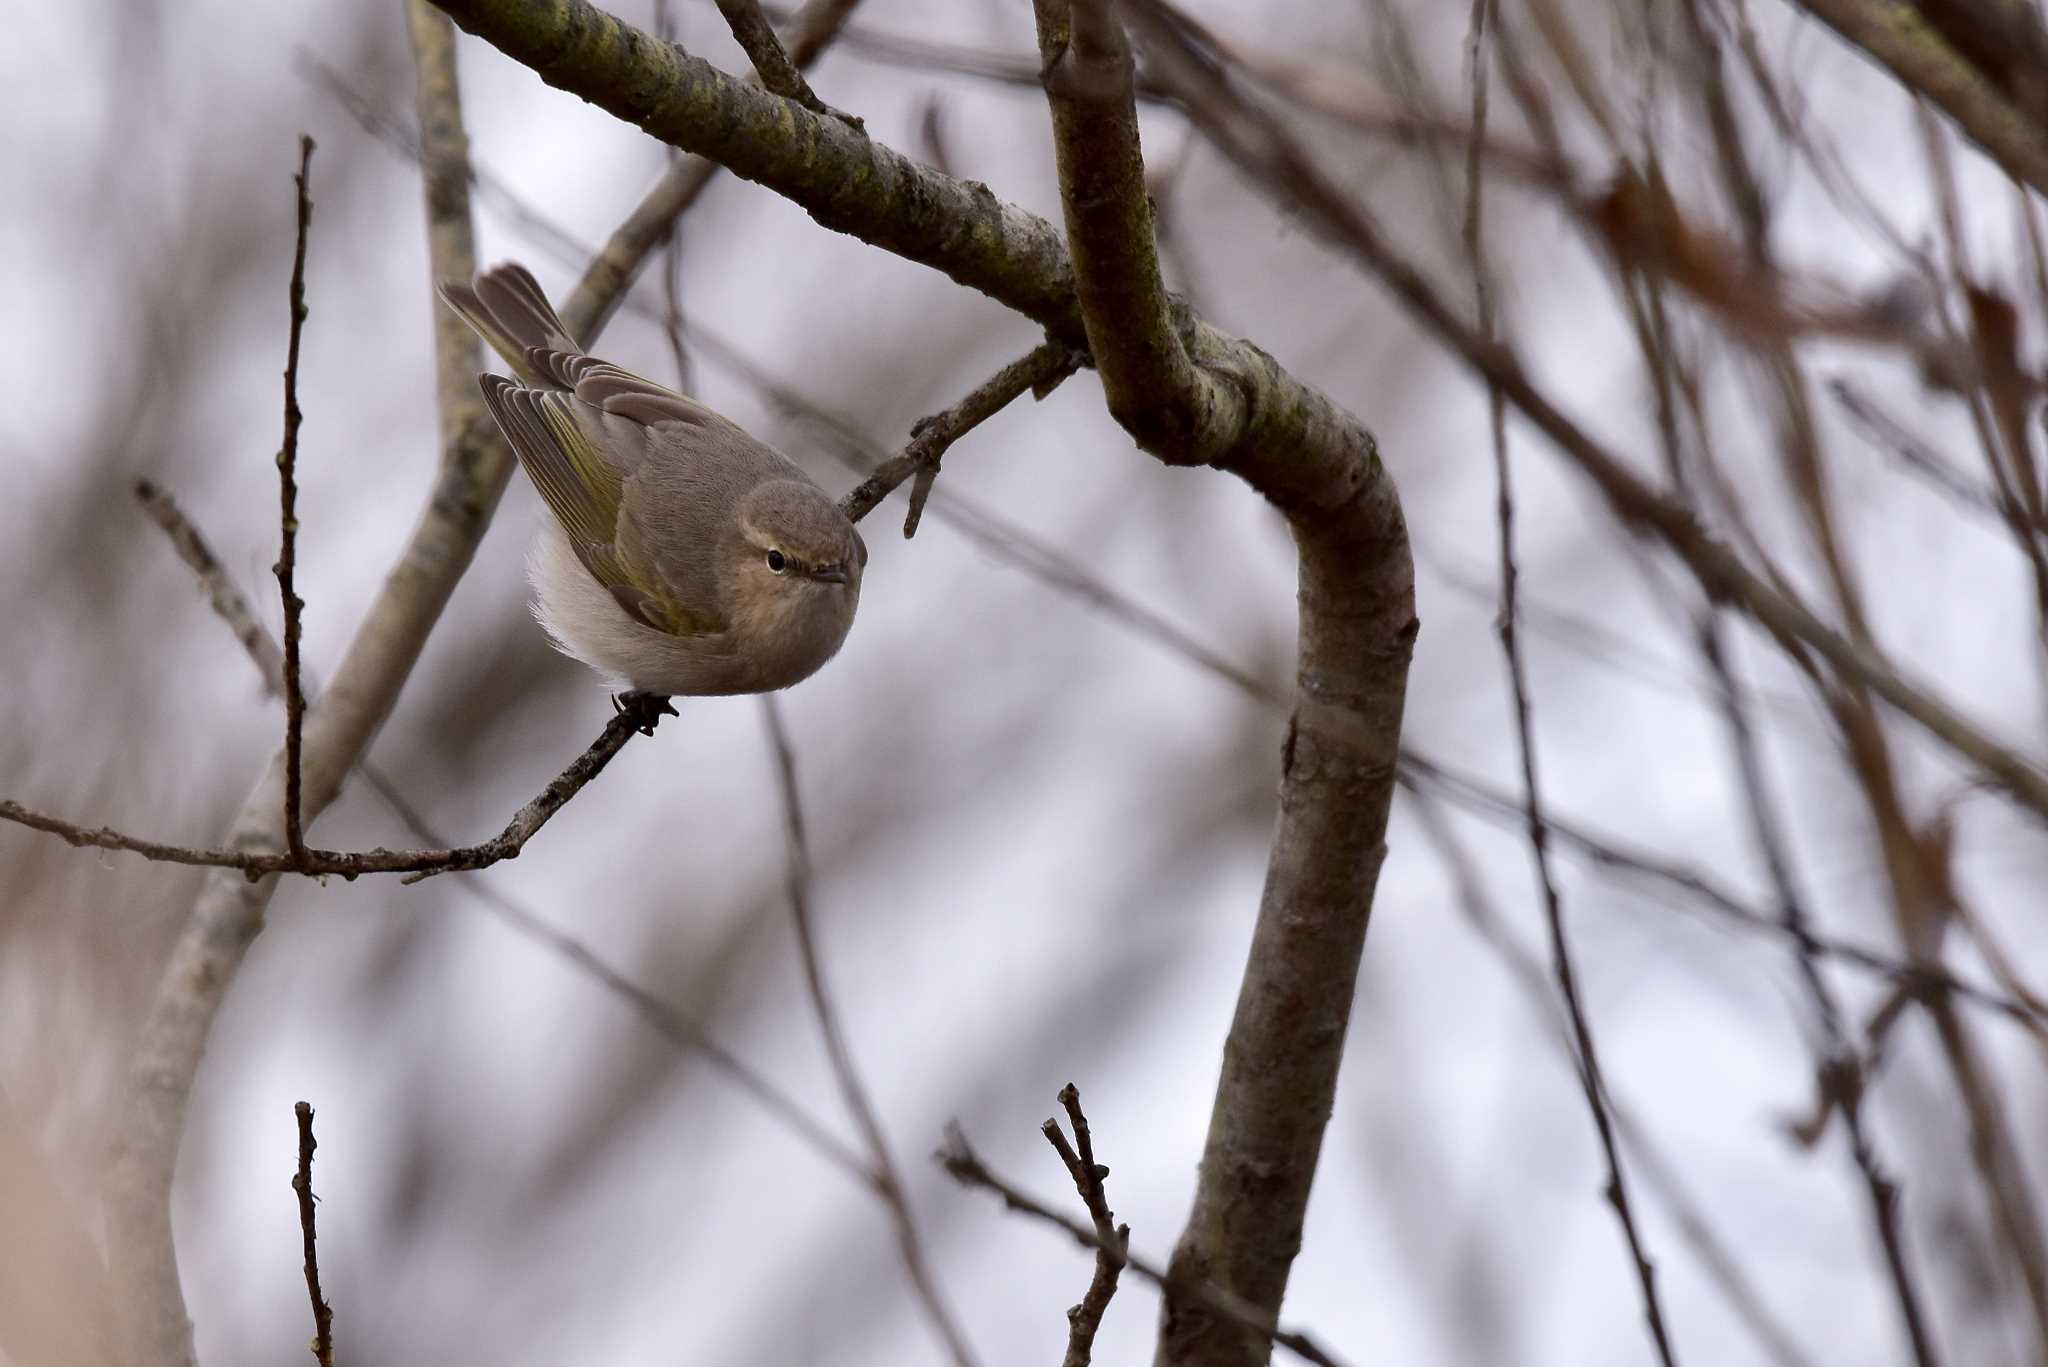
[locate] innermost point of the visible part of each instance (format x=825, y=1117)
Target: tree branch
x=1170, y=407
x=1113, y=1241
x=228, y=601
x=1039, y=372
x=638, y=715
x=302, y=1183
x=288, y=521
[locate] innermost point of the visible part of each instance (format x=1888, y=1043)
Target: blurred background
x=1039, y=818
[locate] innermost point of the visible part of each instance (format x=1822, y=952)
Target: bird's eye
x=776, y=562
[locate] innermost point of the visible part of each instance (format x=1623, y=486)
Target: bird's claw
x=643, y=709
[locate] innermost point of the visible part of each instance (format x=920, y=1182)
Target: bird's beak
x=831, y=574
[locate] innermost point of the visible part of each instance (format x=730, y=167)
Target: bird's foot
x=643, y=709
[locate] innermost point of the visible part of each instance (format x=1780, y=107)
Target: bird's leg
x=645, y=710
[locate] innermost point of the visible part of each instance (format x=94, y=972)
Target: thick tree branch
x=1295, y=447
x=1169, y=406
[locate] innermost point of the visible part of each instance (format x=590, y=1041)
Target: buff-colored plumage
x=682, y=555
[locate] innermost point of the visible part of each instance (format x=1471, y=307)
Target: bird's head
x=797, y=547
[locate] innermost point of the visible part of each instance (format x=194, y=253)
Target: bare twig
x=1839, y=1064
x=966, y=1167
x=302, y=1183
x=227, y=600
x=1886, y=432
x=887, y=1182
x=1698, y=888
x=637, y=714
x=1724, y=1267
x=288, y=519
x=1586, y=1054
x=1113, y=1245
x=1038, y=372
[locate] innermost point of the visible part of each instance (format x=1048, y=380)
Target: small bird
x=683, y=557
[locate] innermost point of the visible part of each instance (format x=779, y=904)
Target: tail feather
x=505, y=306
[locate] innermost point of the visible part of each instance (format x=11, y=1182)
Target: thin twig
x=1112, y=1250
x=302, y=1183
x=638, y=714
x=227, y=600
x=1840, y=1068
x=288, y=520
x=1420, y=773
x=888, y=1183
x=678, y=1027
x=1039, y=372
x=966, y=1167
x=1726, y=1269
x=1588, y=1057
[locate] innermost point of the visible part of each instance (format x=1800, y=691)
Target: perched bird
x=683, y=556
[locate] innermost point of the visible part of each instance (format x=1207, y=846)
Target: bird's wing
x=505, y=306
x=565, y=447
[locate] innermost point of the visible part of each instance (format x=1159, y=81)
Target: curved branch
x=1286, y=1041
